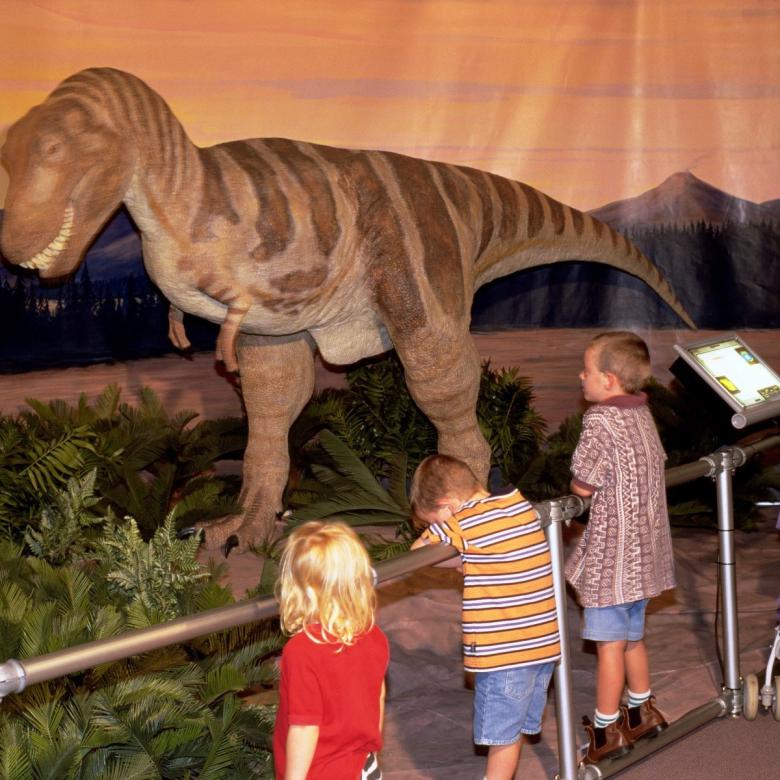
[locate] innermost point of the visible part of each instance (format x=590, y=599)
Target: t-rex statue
x=292, y=247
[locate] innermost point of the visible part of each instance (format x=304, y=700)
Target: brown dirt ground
x=550, y=357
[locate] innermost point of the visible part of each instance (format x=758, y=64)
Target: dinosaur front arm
x=228, y=333
x=176, y=332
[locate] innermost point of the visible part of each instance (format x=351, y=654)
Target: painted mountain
x=720, y=253
x=683, y=199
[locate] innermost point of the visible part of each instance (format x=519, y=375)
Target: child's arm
x=580, y=490
x=420, y=541
x=590, y=461
x=301, y=743
x=382, y=707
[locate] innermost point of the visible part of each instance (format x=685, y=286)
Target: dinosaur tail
x=551, y=232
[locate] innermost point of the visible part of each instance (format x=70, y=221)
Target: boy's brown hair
x=438, y=477
x=625, y=355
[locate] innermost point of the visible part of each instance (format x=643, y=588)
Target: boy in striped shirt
x=510, y=629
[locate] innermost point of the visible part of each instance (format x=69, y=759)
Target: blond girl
x=331, y=696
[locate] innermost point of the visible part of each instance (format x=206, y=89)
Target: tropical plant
x=145, y=461
x=513, y=428
x=68, y=527
x=548, y=474
x=176, y=712
x=34, y=465
x=376, y=417
x=342, y=486
x=155, y=577
x=179, y=724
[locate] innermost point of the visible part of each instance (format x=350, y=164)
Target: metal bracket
x=12, y=678
x=724, y=459
x=561, y=510
x=732, y=700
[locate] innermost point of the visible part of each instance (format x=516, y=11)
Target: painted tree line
x=83, y=321
x=725, y=274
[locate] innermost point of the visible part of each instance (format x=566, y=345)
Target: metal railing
x=16, y=675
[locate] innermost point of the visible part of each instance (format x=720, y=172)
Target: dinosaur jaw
x=44, y=259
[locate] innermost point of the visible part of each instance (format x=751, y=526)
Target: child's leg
x=637, y=667
x=641, y=718
x=610, y=676
x=502, y=761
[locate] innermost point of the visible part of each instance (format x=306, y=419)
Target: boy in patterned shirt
x=624, y=558
x=510, y=628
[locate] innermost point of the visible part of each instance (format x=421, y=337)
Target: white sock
x=601, y=720
x=637, y=699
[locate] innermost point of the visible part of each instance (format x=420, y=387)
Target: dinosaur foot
x=233, y=533
x=223, y=535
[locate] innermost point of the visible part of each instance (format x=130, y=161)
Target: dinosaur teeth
x=45, y=257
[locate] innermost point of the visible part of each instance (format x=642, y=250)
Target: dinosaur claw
x=231, y=542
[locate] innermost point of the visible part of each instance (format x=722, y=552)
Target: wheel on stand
x=776, y=705
x=750, y=697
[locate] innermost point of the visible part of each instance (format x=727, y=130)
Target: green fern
x=145, y=461
x=351, y=494
x=156, y=575
x=68, y=526
x=171, y=713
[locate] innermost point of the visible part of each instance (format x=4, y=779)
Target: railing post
x=564, y=709
x=723, y=463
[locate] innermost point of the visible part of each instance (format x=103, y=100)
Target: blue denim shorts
x=611, y=624
x=509, y=703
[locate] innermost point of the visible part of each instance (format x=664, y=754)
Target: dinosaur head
x=68, y=171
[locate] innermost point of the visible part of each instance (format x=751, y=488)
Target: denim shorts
x=611, y=624
x=509, y=703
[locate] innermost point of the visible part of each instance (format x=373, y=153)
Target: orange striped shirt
x=509, y=615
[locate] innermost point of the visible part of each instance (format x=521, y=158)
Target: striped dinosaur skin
x=291, y=246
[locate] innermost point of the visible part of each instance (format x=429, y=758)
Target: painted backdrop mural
x=661, y=118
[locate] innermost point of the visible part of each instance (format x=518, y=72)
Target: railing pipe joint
x=727, y=459
x=12, y=678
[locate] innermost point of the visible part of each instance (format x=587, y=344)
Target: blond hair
x=625, y=355
x=325, y=577
x=439, y=477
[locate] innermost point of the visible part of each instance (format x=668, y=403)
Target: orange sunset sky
x=588, y=100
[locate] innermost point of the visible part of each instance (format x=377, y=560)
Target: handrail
x=16, y=675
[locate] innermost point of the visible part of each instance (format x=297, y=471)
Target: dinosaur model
x=291, y=247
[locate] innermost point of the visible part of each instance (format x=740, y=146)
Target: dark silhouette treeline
x=80, y=321
x=726, y=275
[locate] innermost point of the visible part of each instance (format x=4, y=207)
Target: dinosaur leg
x=443, y=374
x=277, y=379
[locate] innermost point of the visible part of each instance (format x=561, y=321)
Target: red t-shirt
x=337, y=688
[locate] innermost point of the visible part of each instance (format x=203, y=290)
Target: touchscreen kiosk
x=737, y=374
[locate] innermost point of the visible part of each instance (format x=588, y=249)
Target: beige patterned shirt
x=625, y=553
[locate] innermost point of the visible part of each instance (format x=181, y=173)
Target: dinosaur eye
x=50, y=148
